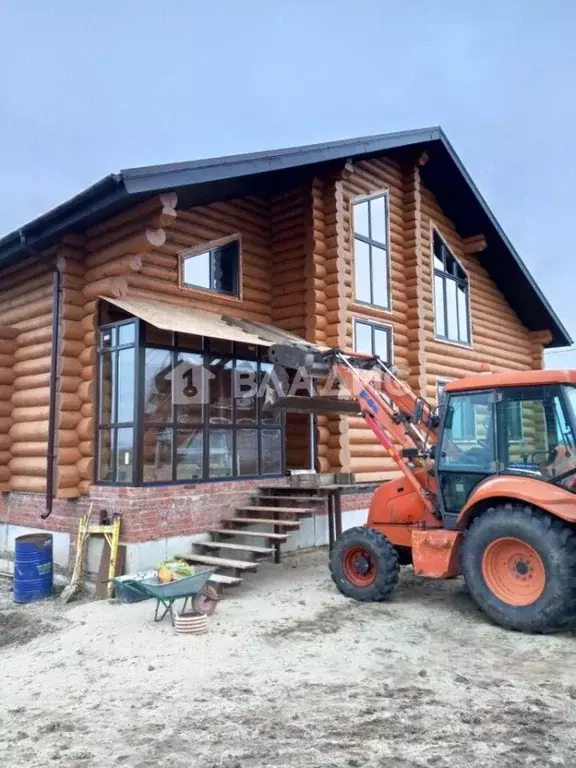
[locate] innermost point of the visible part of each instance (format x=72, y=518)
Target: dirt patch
x=18, y=627
x=327, y=621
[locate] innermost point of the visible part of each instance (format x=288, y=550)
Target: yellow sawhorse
x=111, y=533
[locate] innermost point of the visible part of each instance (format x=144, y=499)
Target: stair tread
x=256, y=534
x=301, y=510
x=311, y=499
x=223, y=562
x=222, y=578
x=263, y=521
x=239, y=547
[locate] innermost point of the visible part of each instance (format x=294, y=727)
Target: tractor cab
x=521, y=424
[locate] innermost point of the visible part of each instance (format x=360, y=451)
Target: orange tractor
x=487, y=486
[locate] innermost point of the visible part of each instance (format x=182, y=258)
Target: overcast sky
x=89, y=88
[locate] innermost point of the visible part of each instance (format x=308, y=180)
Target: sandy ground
x=289, y=674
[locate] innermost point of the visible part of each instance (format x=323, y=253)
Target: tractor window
x=542, y=444
x=468, y=437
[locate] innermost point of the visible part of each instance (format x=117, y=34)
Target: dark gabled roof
x=202, y=181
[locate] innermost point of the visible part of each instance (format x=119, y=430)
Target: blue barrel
x=33, y=571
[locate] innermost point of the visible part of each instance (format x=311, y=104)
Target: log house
x=380, y=244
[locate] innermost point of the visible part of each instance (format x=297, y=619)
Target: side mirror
x=418, y=412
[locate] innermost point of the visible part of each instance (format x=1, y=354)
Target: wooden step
x=287, y=510
x=225, y=581
x=259, y=534
x=262, y=521
x=284, y=497
x=238, y=547
x=221, y=562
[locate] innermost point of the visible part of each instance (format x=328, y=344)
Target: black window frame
x=388, y=329
x=207, y=348
x=212, y=248
x=113, y=425
x=372, y=242
x=442, y=252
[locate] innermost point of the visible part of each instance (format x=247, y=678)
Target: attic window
x=215, y=267
x=451, y=302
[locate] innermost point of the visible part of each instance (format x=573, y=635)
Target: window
x=176, y=408
x=373, y=340
x=371, y=251
x=451, y=306
x=213, y=269
x=116, y=402
x=468, y=437
x=544, y=436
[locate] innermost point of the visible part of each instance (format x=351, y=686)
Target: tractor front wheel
x=364, y=565
x=519, y=565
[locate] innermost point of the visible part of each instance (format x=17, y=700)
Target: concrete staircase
x=255, y=532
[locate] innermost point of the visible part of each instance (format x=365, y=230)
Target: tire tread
x=561, y=541
x=388, y=565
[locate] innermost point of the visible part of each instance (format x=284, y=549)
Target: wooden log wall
x=250, y=217
x=333, y=447
x=291, y=285
x=538, y=342
x=8, y=348
x=499, y=338
x=316, y=298
x=26, y=306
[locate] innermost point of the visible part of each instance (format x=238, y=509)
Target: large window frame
x=448, y=273
x=367, y=238
x=206, y=349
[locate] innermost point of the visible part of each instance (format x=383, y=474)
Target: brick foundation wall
x=152, y=513
x=147, y=513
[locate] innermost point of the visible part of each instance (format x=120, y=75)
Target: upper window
x=371, y=251
x=373, y=339
x=451, y=308
x=214, y=269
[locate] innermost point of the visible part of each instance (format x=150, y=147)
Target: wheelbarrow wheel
x=206, y=601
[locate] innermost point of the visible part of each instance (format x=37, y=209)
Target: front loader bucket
x=300, y=357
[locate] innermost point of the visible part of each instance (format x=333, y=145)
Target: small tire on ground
x=554, y=544
x=206, y=601
x=382, y=555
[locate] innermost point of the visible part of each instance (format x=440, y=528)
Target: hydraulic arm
x=404, y=423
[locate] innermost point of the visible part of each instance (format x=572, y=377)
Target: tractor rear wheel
x=519, y=565
x=364, y=565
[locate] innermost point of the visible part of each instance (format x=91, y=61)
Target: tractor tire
x=519, y=565
x=364, y=565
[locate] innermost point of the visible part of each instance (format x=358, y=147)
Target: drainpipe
x=54, y=375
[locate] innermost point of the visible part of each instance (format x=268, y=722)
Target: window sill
x=450, y=343
x=207, y=293
x=190, y=483
x=370, y=309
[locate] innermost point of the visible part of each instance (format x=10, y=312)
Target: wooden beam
x=474, y=244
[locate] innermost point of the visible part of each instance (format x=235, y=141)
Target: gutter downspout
x=54, y=375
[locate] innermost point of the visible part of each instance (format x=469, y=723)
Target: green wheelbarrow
x=202, y=596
